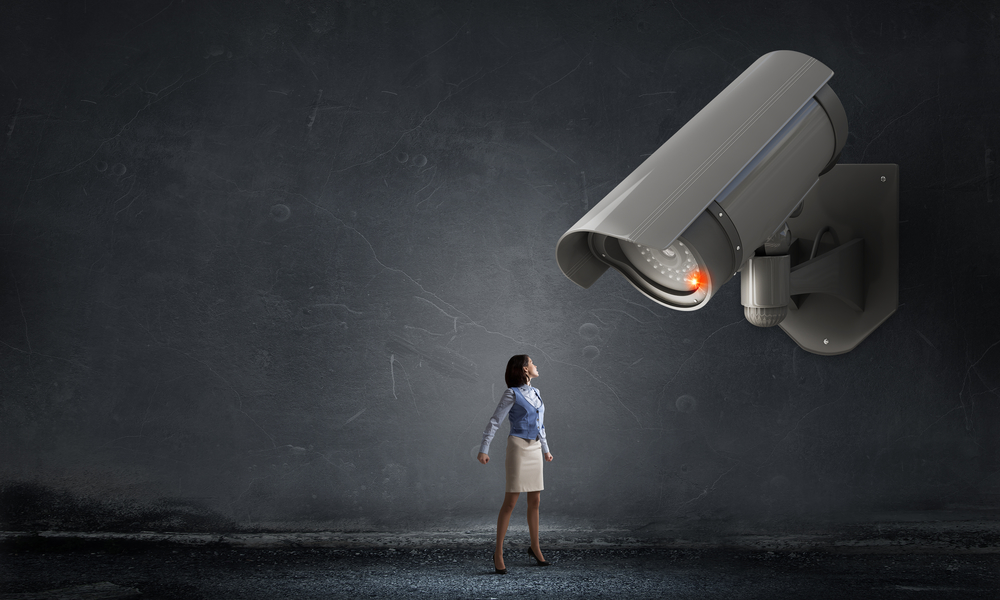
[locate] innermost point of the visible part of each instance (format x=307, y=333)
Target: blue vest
x=524, y=417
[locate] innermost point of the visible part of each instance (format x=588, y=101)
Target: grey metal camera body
x=747, y=184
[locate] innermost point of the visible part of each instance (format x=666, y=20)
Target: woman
x=526, y=446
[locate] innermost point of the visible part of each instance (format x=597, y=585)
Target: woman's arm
x=506, y=401
x=541, y=428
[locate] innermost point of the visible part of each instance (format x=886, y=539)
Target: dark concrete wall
x=263, y=264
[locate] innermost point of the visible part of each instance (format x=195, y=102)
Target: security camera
x=751, y=183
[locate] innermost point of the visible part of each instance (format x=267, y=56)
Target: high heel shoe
x=499, y=571
x=541, y=563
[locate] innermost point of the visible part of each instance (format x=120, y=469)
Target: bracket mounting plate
x=856, y=201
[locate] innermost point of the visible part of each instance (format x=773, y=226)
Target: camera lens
x=674, y=267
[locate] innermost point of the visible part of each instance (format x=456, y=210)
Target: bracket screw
x=826, y=341
x=883, y=179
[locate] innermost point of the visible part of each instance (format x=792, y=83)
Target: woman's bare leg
x=534, y=500
x=503, y=520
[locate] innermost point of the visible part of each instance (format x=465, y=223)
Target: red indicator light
x=695, y=279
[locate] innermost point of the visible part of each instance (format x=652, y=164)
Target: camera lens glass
x=674, y=267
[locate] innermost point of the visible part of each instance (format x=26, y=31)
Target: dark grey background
x=263, y=263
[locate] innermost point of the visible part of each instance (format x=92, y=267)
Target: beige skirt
x=524, y=465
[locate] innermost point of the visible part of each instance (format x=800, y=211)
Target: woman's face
x=530, y=370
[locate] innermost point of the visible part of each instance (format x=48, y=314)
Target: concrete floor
x=129, y=569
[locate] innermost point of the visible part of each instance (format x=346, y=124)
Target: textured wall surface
x=263, y=264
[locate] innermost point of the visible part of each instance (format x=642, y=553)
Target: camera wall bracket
x=856, y=202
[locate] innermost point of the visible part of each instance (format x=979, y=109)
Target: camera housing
x=723, y=194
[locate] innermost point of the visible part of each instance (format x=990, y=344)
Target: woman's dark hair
x=514, y=375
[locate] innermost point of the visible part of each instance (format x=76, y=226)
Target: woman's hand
x=485, y=458
x=548, y=457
